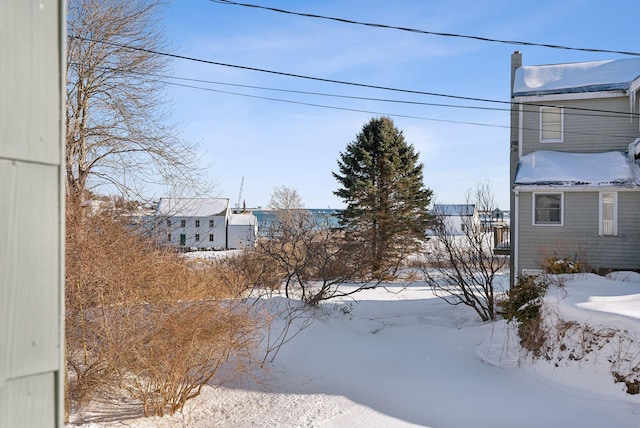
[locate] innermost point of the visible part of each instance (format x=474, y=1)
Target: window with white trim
x=608, y=214
x=197, y=223
x=183, y=223
x=551, y=124
x=197, y=237
x=547, y=209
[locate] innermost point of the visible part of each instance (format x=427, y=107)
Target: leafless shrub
x=460, y=266
x=140, y=318
x=312, y=260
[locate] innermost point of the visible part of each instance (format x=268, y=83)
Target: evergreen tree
x=382, y=185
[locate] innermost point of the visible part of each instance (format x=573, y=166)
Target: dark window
x=197, y=223
x=548, y=208
x=197, y=237
x=183, y=223
x=211, y=237
x=210, y=223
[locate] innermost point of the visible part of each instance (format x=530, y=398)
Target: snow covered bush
x=142, y=320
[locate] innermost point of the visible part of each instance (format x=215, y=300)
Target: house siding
x=584, y=131
x=578, y=236
x=219, y=231
x=32, y=217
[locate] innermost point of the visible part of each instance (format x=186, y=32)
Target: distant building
x=203, y=224
x=456, y=216
x=242, y=230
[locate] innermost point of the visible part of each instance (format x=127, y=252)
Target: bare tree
x=285, y=198
x=117, y=129
x=314, y=261
x=460, y=265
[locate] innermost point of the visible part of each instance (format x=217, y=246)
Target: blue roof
x=454, y=209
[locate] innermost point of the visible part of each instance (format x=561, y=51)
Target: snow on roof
x=192, y=207
x=576, y=77
x=588, y=169
x=242, y=219
x=454, y=209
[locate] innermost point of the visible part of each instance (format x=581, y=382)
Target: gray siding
x=31, y=213
x=578, y=237
x=583, y=131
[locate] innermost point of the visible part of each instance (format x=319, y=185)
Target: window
x=197, y=237
x=210, y=223
x=197, y=223
x=211, y=237
x=551, y=124
x=183, y=223
x=608, y=214
x=169, y=237
x=547, y=208
x=168, y=223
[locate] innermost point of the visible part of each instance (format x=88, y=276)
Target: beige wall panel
x=27, y=402
x=29, y=256
x=29, y=80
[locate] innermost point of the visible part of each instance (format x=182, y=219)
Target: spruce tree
x=382, y=185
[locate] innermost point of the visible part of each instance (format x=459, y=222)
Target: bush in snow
x=139, y=319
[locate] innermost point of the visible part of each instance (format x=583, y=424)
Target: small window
x=183, y=223
x=197, y=223
x=551, y=124
x=608, y=214
x=169, y=237
x=168, y=223
x=547, y=209
x=211, y=237
x=197, y=237
x=210, y=223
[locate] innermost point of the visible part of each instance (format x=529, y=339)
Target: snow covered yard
x=400, y=358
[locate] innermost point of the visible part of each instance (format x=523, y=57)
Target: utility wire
x=308, y=104
x=282, y=73
x=433, y=33
x=568, y=110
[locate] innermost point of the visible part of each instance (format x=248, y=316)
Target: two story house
x=575, y=175
x=203, y=223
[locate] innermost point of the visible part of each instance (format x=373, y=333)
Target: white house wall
x=219, y=231
x=241, y=236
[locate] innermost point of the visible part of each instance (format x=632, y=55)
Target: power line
x=433, y=33
x=573, y=110
x=282, y=73
x=406, y=116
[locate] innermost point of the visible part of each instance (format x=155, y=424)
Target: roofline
x=569, y=96
x=539, y=187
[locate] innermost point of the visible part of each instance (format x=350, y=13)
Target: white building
x=203, y=223
x=456, y=216
x=242, y=230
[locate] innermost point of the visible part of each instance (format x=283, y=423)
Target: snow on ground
x=400, y=358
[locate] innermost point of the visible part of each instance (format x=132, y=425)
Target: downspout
x=514, y=152
x=514, y=234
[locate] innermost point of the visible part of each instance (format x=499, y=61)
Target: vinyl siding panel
x=31, y=213
x=583, y=131
x=30, y=80
x=578, y=236
x=28, y=402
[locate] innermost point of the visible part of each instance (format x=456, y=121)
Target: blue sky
x=272, y=143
